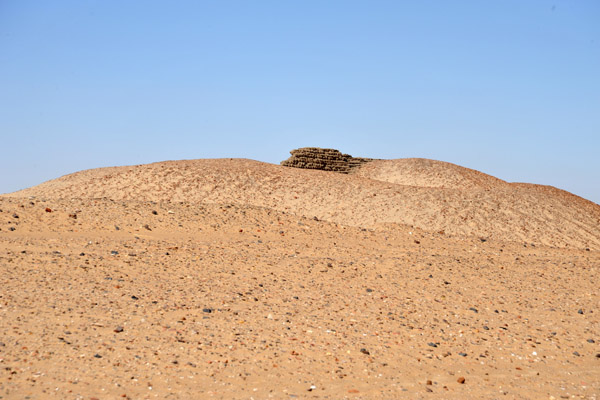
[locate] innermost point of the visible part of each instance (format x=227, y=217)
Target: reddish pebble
x=48, y=209
x=461, y=380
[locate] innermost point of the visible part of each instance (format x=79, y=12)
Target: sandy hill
x=431, y=195
x=422, y=172
x=211, y=279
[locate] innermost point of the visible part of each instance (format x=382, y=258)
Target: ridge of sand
x=422, y=172
x=211, y=279
x=430, y=195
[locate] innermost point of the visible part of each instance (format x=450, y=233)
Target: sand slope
x=431, y=195
x=147, y=300
x=212, y=279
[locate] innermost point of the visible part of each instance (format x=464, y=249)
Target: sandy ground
x=218, y=294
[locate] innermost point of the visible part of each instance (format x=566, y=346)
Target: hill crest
x=431, y=195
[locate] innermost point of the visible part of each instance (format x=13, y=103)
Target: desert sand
x=233, y=278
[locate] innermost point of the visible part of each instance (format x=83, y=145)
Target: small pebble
x=462, y=354
x=119, y=329
x=461, y=380
x=365, y=351
x=473, y=309
x=432, y=344
x=207, y=310
x=580, y=311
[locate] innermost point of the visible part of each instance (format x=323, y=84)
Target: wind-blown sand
x=238, y=279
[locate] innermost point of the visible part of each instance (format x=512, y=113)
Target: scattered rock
x=48, y=210
x=118, y=329
x=432, y=344
x=365, y=351
x=461, y=380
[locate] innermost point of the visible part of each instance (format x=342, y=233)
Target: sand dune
x=430, y=195
x=212, y=279
x=426, y=173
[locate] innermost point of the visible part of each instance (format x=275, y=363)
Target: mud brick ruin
x=324, y=159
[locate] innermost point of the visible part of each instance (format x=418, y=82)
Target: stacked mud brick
x=323, y=159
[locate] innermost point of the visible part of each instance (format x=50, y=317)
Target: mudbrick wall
x=323, y=159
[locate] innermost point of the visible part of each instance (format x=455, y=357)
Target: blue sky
x=510, y=88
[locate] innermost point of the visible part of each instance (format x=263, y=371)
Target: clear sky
x=507, y=87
